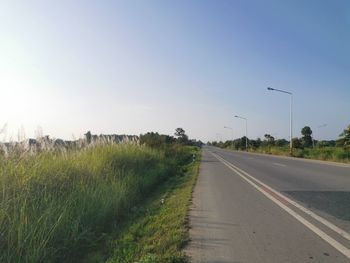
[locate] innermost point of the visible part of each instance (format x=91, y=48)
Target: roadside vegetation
x=304, y=147
x=58, y=205
x=157, y=229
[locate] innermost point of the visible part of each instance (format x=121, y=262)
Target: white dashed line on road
x=279, y=164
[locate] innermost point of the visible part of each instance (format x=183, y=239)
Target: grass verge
x=156, y=230
x=333, y=154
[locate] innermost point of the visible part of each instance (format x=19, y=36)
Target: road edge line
x=331, y=241
x=320, y=219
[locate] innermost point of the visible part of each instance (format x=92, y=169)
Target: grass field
x=57, y=206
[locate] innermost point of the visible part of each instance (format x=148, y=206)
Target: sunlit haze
x=129, y=67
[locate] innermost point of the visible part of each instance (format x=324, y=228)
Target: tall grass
x=327, y=153
x=53, y=205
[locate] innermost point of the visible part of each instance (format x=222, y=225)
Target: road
x=262, y=208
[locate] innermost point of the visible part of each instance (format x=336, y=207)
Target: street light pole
x=226, y=127
x=291, y=116
x=246, y=130
x=291, y=124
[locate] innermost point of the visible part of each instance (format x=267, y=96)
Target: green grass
x=156, y=231
x=335, y=154
x=57, y=206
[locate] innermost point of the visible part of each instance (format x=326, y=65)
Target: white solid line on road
x=279, y=164
x=336, y=229
x=341, y=248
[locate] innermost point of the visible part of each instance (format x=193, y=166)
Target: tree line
x=305, y=141
x=156, y=140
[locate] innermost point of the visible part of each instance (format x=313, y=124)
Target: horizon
x=21, y=136
x=131, y=67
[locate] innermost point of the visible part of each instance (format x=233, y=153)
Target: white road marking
x=279, y=164
x=336, y=229
x=248, y=178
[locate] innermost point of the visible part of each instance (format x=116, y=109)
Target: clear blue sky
x=137, y=66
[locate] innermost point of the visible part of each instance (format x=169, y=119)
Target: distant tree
x=227, y=144
x=321, y=144
x=181, y=135
x=270, y=139
x=297, y=143
x=194, y=142
x=179, y=132
x=239, y=144
x=281, y=142
x=307, y=136
x=258, y=142
x=156, y=140
x=331, y=143
x=344, y=140
x=88, y=137
x=199, y=143
x=255, y=143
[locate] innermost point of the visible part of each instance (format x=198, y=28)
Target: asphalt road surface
x=262, y=208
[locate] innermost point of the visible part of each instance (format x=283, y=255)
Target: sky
x=129, y=67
